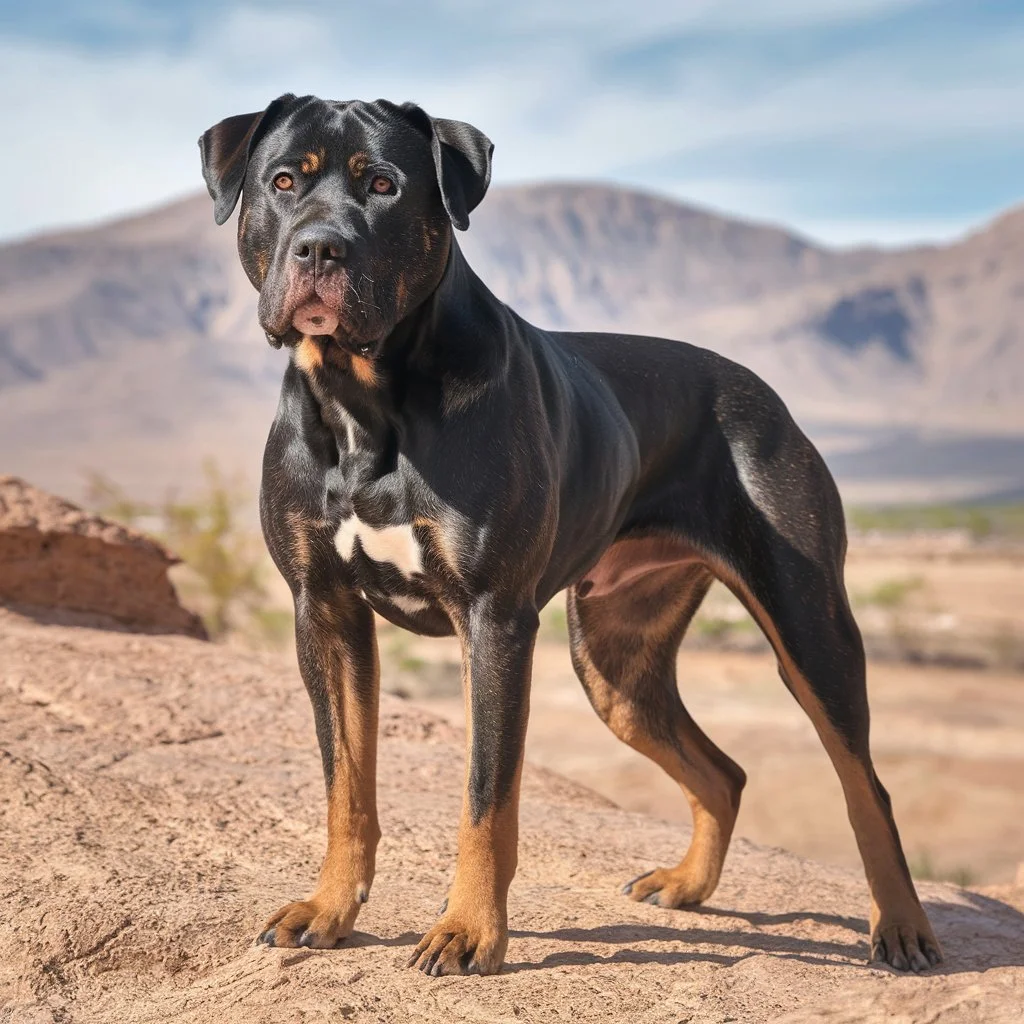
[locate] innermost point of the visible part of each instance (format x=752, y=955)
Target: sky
x=851, y=121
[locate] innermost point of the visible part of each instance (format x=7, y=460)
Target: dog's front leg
x=337, y=651
x=472, y=933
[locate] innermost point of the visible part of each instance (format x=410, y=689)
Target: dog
x=440, y=462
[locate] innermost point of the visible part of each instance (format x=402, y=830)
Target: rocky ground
x=161, y=795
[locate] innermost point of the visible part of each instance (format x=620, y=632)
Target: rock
x=56, y=557
x=160, y=798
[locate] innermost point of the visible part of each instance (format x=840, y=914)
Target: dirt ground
x=948, y=738
x=161, y=796
x=948, y=743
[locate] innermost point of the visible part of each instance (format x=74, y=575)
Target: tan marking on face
x=312, y=162
x=401, y=294
x=262, y=263
x=357, y=164
x=364, y=371
x=243, y=223
x=309, y=356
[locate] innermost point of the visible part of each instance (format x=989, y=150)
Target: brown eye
x=283, y=182
x=381, y=185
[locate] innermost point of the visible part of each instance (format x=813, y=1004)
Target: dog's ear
x=226, y=148
x=462, y=159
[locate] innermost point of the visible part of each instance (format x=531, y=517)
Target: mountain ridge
x=139, y=333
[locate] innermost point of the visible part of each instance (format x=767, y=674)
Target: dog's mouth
x=318, y=321
x=324, y=317
x=315, y=318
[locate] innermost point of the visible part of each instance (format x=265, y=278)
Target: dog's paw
x=668, y=887
x=905, y=946
x=459, y=947
x=313, y=923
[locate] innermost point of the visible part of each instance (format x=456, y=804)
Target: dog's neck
x=452, y=335
x=445, y=354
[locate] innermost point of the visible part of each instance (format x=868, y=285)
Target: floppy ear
x=226, y=148
x=462, y=159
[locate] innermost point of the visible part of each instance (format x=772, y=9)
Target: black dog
x=439, y=461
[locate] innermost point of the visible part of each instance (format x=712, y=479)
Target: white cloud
x=97, y=135
x=622, y=19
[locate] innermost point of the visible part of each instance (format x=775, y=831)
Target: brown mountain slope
x=133, y=347
x=159, y=796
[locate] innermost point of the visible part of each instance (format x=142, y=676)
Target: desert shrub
x=713, y=627
x=996, y=521
x=891, y=593
x=554, y=625
x=923, y=868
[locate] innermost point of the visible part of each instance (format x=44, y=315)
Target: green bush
x=891, y=593
x=982, y=522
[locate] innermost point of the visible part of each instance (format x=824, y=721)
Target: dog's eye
x=283, y=182
x=381, y=185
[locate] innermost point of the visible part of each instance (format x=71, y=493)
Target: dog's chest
x=390, y=564
x=390, y=545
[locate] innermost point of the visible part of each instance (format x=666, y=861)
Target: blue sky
x=850, y=120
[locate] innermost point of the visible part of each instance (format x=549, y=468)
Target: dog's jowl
x=439, y=461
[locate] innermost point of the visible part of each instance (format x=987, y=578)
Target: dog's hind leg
x=806, y=618
x=781, y=548
x=624, y=646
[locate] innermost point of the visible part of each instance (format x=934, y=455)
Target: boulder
x=56, y=557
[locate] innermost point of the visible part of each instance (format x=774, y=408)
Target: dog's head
x=347, y=209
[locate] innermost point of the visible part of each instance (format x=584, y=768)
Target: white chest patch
x=396, y=545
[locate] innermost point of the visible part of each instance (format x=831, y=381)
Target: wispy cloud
x=852, y=120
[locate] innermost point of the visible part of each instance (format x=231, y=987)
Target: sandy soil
x=948, y=743
x=160, y=796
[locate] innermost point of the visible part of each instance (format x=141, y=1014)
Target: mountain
x=924, y=338
x=133, y=348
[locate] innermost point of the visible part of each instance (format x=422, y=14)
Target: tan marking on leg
x=353, y=830
x=309, y=356
x=712, y=796
x=472, y=934
x=632, y=557
x=642, y=626
x=894, y=901
x=442, y=543
x=352, y=826
x=298, y=527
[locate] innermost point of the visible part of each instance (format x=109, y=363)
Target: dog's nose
x=319, y=247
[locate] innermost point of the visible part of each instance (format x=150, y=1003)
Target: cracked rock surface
x=64, y=563
x=159, y=797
